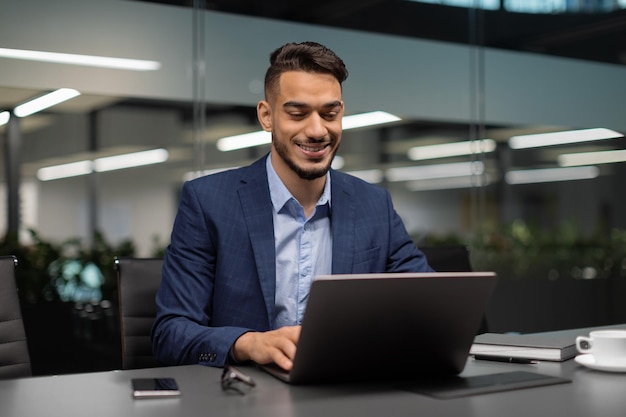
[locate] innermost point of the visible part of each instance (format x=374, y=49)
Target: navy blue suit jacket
x=219, y=271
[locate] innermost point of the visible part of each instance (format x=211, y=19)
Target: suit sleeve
x=182, y=332
x=404, y=256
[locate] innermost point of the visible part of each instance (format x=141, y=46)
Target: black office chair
x=14, y=356
x=138, y=280
x=454, y=258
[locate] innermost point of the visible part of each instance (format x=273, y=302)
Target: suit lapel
x=342, y=225
x=257, y=208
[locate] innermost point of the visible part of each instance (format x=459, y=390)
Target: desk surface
x=591, y=393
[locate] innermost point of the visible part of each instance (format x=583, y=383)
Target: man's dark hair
x=306, y=56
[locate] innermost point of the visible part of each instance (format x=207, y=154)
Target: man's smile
x=313, y=149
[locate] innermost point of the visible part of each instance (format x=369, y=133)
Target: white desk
x=107, y=394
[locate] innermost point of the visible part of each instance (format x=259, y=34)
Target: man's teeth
x=312, y=148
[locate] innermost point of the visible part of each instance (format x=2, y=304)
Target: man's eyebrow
x=299, y=104
x=332, y=104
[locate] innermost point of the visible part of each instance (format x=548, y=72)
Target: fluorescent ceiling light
x=4, y=117
x=368, y=119
x=247, y=140
x=75, y=59
x=592, y=158
x=45, y=101
x=444, y=150
x=130, y=160
x=108, y=163
x=449, y=183
x=562, y=138
x=459, y=169
x=551, y=175
x=73, y=169
x=373, y=176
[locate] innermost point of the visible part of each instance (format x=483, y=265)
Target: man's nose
x=316, y=127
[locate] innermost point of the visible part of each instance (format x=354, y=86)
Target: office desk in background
x=106, y=394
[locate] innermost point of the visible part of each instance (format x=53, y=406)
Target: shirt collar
x=280, y=195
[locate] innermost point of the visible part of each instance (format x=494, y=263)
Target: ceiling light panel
x=109, y=163
x=460, y=169
x=4, y=117
x=73, y=169
x=592, y=158
x=77, y=59
x=130, y=160
x=562, y=138
x=45, y=101
x=531, y=176
x=445, y=150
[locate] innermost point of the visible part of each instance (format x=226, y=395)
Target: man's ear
x=264, y=114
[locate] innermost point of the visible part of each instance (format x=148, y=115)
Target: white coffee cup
x=608, y=347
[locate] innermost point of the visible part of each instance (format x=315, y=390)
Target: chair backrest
x=138, y=280
x=14, y=356
x=453, y=258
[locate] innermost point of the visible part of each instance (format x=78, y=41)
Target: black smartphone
x=155, y=388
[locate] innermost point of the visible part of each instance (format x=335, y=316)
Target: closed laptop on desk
x=380, y=326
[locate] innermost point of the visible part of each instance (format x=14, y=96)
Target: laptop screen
x=400, y=325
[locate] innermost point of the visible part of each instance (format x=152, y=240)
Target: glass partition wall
x=553, y=227
x=460, y=161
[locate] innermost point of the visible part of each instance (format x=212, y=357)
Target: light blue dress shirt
x=303, y=248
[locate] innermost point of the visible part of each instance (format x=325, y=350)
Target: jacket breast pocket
x=366, y=261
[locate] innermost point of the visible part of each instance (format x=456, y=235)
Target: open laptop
x=388, y=326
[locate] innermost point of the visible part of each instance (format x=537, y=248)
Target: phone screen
x=155, y=387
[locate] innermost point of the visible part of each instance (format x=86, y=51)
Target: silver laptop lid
x=400, y=325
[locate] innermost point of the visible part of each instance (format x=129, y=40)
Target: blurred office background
x=478, y=75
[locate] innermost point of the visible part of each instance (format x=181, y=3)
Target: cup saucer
x=590, y=362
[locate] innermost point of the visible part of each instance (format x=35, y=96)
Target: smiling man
x=246, y=243
x=303, y=112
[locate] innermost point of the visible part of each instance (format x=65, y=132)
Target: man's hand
x=278, y=346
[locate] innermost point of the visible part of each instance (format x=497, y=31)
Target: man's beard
x=305, y=174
